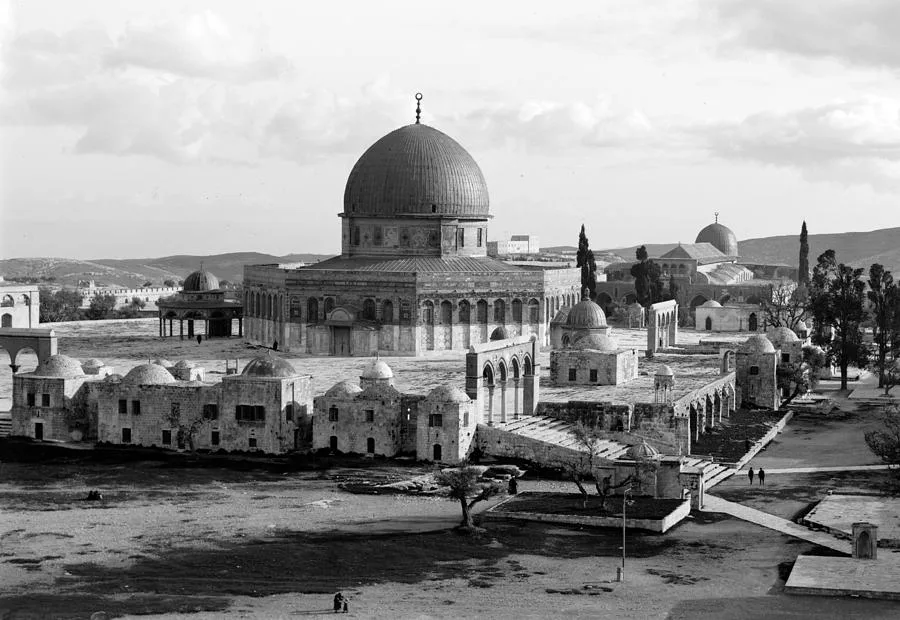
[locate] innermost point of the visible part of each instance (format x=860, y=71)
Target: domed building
x=201, y=301
x=755, y=379
x=413, y=275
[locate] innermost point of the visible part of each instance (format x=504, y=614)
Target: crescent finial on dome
x=418, y=107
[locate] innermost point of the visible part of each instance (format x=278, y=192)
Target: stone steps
x=5, y=424
x=560, y=433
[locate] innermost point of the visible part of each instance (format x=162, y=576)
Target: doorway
x=333, y=443
x=39, y=430
x=370, y=445
x=437, y=452
x=340, y=338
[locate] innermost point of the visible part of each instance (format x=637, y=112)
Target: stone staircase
x=560, y=433
x=5, y=424
x=713, y=473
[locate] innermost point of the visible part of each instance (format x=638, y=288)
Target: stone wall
x=353, y=428
x=20, y=306
x=727, y=318
x=593, y=367
x=59, y=419
x=454, y=435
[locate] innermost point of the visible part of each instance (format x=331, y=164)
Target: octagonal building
x=413, y=275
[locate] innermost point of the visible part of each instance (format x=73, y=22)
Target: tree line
x=65, y=305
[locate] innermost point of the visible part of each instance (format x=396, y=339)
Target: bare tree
x=801, y=376
x=186, y=427
x=786, y=306
x=466, y=486
x=590, y=464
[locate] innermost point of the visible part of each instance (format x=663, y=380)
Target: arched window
x=387, y=311
x=464, y=311
x=368, y=312
x=295, y=307
x=446, y=312
x=709, y=323
x=329, y=305
x=428, y=313
x=481, y=311
x=528, y=370
x=312, y=310
x=8, y=301
x=515, y=368
x=499, y=311
x=502, y=371
x=6, y=321
x=488, y=374
x=517, y=310
x=534, y=311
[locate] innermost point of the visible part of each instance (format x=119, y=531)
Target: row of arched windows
x=490, y=374
x=443, y=313
x=9, y=301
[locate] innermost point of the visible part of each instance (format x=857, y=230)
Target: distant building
x=201, y=302
x=516, y=244
x=124, y=296
x=20, y=305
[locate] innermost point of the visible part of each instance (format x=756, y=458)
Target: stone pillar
x=240, y=327
x=489, y=411
x=516, y=402
x=503, y=402
x=865, y=541
x=181, y=329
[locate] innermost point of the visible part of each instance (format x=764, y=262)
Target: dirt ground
x=206, y=543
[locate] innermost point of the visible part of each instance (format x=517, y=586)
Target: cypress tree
x=803, y=272
x=585, y=260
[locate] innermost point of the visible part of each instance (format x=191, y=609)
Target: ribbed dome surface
x=343, y=389
x=757, y=344
x=448, y=394
x=781, y=335
x=377, y=370
x=269, y=366
x=721, y=237
x=642, y=450
x=148, y=374
x=201, y=281
x=586, y=315
x=596, y=342
x=416, y=170
x=59, y=366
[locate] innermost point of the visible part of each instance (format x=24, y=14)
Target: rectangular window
x=377, y=235
x=785, y=358
x=289, y=413
x=436, y=420
x=214, y=438
x=167, y=438
x=136, y=407
x=252, y=442
x=250, y=413
x=126, y=435
x=333, y=414
x=45, y=400
x=593, y=375
x=370, y=415
x=176, y=410
x=123, y=405
x=480, y=236
x=29, y=399
x=572, y=375
x=461, y=237
x=466, y=417
x=754, y=370
x=211, y=411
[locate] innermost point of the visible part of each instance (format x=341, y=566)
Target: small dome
x=721, y=237
x=148, y=374
x=343, y=389
x=642, y=450
x=781, y=335
x=586, y=315
x=448, y=394
x=712, y=303
x=377, y=370
x=113, y=378
x=93, y=363
x=756, y=344
x=499, y=333
x=269, y=366
x=184, y=364
x=161, y=361
x=562, y=316
x=59, y=366
x=596, y=342
x=201, y=281
x=379, y=391
x=665, y=371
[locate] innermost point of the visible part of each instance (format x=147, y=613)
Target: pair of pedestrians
x=761, y=474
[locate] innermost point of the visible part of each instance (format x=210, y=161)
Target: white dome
x=377, y=370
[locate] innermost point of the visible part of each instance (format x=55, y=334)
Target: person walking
x=338, y=602
x=750, y=475
x=199, y=338
x=513, y=486
x=346, y=605
x=275, y=346
x=762, y=476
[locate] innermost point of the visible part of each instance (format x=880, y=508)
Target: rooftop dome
x=93, y=363
x=756, y=343
x=343, y=389
x=586, y=315
x=59, y=366
x=665, y=371
x=184, y=364
x=642, y=450
x=780, y=335
x=377, y=370
x=269, y=366
x=113, y=378
x=596, y=342
x=416, y=170
x=161, y=361
x=499, y=333
x=712, y=303
x=448, y=394
x=721, y=237
x=148, y=374
x=201, y=281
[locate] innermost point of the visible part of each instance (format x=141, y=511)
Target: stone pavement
x=837, y=513
x=813, y=470
x=711, y=503
x=845, y=576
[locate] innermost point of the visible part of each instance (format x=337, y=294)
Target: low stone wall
x=762, y=443
x=653, y=525
x=496, y=442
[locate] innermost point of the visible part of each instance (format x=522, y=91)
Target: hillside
x=135, y=271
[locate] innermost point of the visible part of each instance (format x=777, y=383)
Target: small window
x=370, y=415
x=176, y=410
x=126, y=435
x=214, y=438
x=136, y=407
x=785, y=358
x=289, y=413
x=29, y=399
x=252, y=442
x=211, y=411
x=572, y=374
x=333, y=414
x=123, y=405
x=466, y=417
x=436, y=420
x=480, y=236
x=593, y=375
x=167, y=438
x=45, y=400
x=754, y=370
x=461, y=237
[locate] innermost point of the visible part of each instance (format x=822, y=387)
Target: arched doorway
x=752, y=322
x=6, y=321
x=709, y=323
x=436, y=450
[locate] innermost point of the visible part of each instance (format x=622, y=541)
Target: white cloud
x=857, y=32
x=848, y=142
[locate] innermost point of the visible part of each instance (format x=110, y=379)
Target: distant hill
x=859, y=249
x=133, y=272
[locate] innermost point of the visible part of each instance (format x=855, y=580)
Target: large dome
x=59, y=366
x=148, y=374
x=721, y=237
x=757, y=344
x=269, y=367
x=586, y=315
x=201, y=281
x=416, y=170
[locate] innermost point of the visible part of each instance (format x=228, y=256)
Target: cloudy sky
x=135, y=129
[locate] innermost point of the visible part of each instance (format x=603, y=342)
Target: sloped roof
x=426, y=264
x=701, y=252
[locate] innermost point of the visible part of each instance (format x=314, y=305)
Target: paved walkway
x=711, y=503
x=813, y=470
